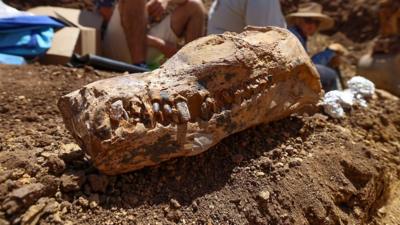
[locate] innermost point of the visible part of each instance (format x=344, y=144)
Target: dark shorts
x=104, y=3
x=329, y=77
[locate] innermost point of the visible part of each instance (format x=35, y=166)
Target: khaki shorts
x=115, y=45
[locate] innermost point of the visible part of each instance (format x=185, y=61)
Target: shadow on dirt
x=186, y=179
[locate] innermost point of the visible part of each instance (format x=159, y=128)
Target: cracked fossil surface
x=213, y=87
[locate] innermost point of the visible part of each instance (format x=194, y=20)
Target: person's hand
x=169, y=49
x=340, y=55
x=338, y=49
x=156, y=8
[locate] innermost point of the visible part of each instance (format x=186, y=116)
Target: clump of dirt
x=300, y=170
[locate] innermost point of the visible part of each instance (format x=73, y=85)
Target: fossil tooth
x=205, y=111
x=211, y=105
x=262, y=81
x=196, y=99
x=156, y=107
x=147, y=115
x=183, y=111
x=167, y=109
x=254, y=87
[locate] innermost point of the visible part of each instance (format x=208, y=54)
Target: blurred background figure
x=234, y=15
x=146, y=32
x=306, y=22
x=382, y=64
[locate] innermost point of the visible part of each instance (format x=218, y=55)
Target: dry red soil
x=306, y=169
x=301, y=170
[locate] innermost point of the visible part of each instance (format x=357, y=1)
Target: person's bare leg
x=188, y=20
x=134, y=22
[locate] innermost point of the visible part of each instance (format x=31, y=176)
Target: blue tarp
x=27, y=36
x=7, y=24
x=11, y=59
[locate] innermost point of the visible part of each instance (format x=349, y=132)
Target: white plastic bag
x=361, y=86
x=335, y=101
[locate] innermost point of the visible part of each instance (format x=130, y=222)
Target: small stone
x=65, y=206
x=295, y=162
x=4, y=109
x=35, y=212
x=175, y=203
x=71, y=152
x=290, y=150
x=17, y=173
x=260, y=174
x=47, y=154
x=195, y=206
x=51, y=183
x=264, y=195
x=83, y=202
x=94, y=200
x=72, y=181
x=93, y=205
x=56, y=165
x=382, y=211
x=266, y=163
x=174, y=215
x=23, y=197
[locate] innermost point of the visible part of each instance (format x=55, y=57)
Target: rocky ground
x=301, y=170
x=308, y=169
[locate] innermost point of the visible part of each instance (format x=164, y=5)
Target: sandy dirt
x=301, y=170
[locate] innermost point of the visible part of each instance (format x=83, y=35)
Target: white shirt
x=234, y=15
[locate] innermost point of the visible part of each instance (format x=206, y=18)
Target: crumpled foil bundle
x=335, y=102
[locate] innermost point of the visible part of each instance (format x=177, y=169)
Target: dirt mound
x=301, y=170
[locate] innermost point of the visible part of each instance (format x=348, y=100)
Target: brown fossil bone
x=213, y=87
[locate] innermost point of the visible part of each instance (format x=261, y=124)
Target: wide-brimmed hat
x=312, y=10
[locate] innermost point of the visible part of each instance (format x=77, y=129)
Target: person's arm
x=324, y=57
x=332, y=56
x=156, y=8
x=264, y=13
x=134, y=23
x=168, y=49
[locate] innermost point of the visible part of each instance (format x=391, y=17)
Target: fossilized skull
x=213, y=87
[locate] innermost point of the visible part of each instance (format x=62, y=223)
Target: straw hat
x=312, y=10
